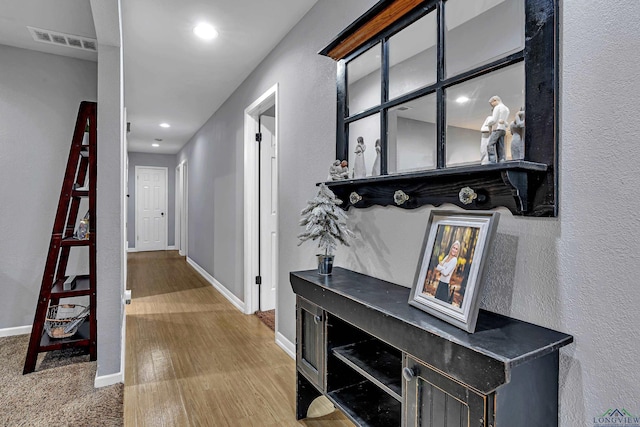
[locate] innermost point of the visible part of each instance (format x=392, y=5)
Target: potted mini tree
x=326, y=222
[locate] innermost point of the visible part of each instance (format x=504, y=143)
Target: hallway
x=192, y=359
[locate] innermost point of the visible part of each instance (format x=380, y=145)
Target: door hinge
x=258, y=137
x=258, y=280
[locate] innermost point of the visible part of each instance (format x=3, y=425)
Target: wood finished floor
x=192, y=359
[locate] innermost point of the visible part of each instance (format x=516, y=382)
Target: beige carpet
x=59, y=393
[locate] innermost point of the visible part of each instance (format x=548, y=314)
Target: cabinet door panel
x=310, y=342
x=433, y=400
x=310, y=348
x=439, y=408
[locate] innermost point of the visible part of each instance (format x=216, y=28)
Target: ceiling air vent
x=89, y=45
x=40, y=36
x=57, y=38
x=74, y=42
x=62, y=39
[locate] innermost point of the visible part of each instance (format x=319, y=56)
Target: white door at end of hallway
x=151, y=209
x=268, y=214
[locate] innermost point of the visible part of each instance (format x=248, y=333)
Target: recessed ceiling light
x=155, y=145
x=165, y=125
x=462, y=99
x=205, y=31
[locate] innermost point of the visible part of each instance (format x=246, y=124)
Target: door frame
x=251, y=192
x=166, y=203
x=182, y=209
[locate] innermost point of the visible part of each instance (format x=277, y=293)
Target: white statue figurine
x=498, y=124
x=334, y=171
x=517, y=140
x=338, y=170
x=375, y=171
x=485, y=131
x=359, y=170
x=344, y=169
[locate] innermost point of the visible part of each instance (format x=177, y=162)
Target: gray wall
x=306, y=148
x=110, y=268
x=39, y=99
x=463, y=145
x=157, y=160
x=413, y=146
x=575, y=273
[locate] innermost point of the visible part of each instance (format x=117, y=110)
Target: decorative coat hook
x=354, y=198
x=467, y=195
x=400, y=197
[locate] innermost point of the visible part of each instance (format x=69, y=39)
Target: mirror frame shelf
x=499, y=184
x=526, y=187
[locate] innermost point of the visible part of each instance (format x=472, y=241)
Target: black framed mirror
x=462, y=89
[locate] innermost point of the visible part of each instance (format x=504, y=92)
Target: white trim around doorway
x=182, y=209
x=251, y=218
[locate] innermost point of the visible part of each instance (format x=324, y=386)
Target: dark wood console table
x=385, y=363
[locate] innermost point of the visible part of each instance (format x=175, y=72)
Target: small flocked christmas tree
x=325, y=221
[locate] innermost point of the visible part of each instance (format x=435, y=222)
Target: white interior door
x=268, y=213
x=151, y=208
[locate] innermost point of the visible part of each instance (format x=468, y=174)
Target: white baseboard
x=18, y=330
x=169, y=248
x=286, y=345
x=106, y=380
x=224, y=291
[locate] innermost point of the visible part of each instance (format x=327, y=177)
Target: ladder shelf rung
x=83, y=287
x=79, y=339
x=70, y=241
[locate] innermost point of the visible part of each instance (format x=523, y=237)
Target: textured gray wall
x=306, y=148
x=110, y=211
x=157, y=160
x=575, y=273
x=39, y=99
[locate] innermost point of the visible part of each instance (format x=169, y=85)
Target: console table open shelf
x=385, y=363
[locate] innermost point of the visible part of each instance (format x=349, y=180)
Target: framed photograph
x=449, y=275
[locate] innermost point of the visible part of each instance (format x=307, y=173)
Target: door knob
x=162, y=213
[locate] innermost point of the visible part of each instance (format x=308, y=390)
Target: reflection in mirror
x=481, y=31
x=363, y=155
x=473, y=124
x=364, y=80
x=412, y=56
x=412, y=135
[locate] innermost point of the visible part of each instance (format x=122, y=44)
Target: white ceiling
x=65, y=16
x=170, y=75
